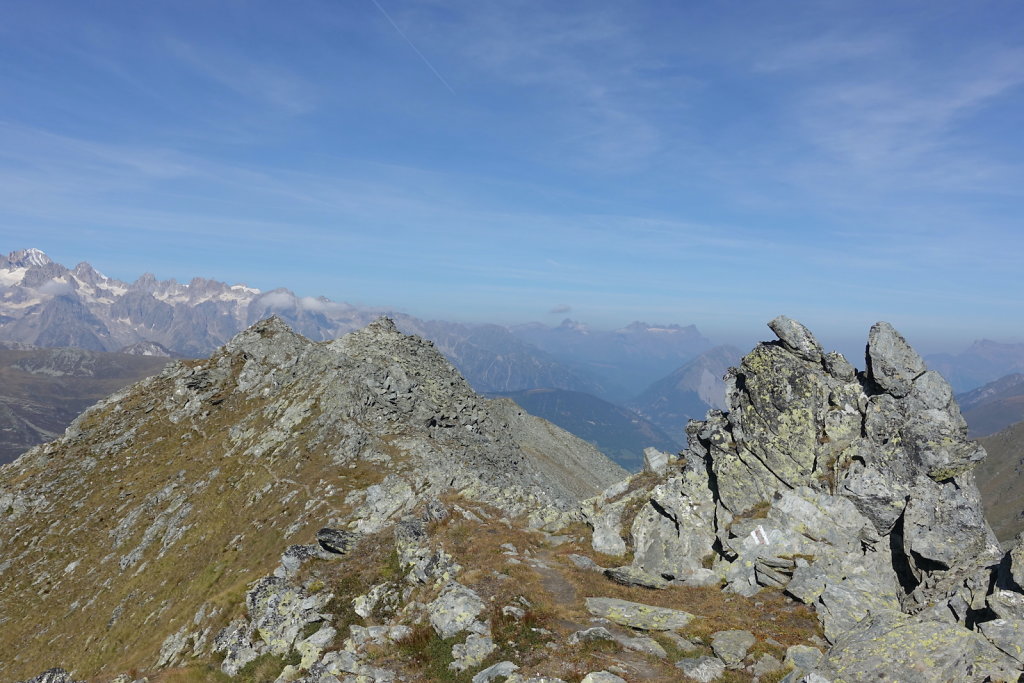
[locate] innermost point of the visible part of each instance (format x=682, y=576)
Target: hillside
x=619, y=433
x=994, y=406
x=982, y=362
x=1001, y=480
x=627, y=359
x=688, y=392
x=166, y=500
x=43, y=390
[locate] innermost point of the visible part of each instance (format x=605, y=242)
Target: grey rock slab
x=494, y=671
x=732, y=646
x=802, y=656
x=637, y=615
x=587, y=635
x=512, y=611
x=1006, y=604
x=607, y=525
x=471, y=653
x=295, y=556
x=701, y=577
x=648, y=646
x=674, y=531
x=778, y=406
x=279, y=611
x=655, y=461
x=602, y=677
x=630, y=575
x=922, y=651
x=336, y=540
x=55, y=675
x=703, y=669
x=454, y=610
x=684, y=644
x=1007, y=635
x=235, y=642
x=796, y=338
x=312, y=647
x=765, y=665
x=345, y=662
x=837, y=366
x=800, y=676
x=585, y=563
x=1017, y=560
x=892, y=363
x=945, y=523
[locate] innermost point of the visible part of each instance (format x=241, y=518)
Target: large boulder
x=920, y=650
x=637, y=615
x=674, y=530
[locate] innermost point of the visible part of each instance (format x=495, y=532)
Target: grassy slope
x=1001, y=481
x=41, y=405
x=232, y=535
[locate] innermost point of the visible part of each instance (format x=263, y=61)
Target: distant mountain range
x=994, y=406
x=45, y=304
x=657, y=375
x=982, y=362
x=42, y=390
x=688, y=392
x=628, y=359
x=618, y=432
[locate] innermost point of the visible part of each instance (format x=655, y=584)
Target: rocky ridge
x=994, y=406
x=826, y=528
x=135, y=535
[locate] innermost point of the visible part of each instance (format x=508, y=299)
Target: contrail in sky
x=413, y=46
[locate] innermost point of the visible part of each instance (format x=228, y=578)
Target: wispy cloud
x=273, y=84
x=603, y=95
x=823, y=51
x=898, y=119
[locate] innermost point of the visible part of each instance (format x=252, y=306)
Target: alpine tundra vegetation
x=351, y=510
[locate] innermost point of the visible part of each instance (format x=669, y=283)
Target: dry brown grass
x=207, y=564
x=770, y=614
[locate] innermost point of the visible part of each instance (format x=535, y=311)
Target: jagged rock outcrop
x=851, y=491
x=187, y=487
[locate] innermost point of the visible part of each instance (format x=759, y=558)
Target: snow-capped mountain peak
x=26, y=258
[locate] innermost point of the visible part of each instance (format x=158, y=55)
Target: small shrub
x=428, y=653
x=264, y=668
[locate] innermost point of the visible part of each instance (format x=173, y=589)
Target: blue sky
x=712, y=163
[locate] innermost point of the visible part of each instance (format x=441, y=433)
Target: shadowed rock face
x=853, y=491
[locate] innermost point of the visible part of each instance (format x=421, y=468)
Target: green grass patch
x=429, y=655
